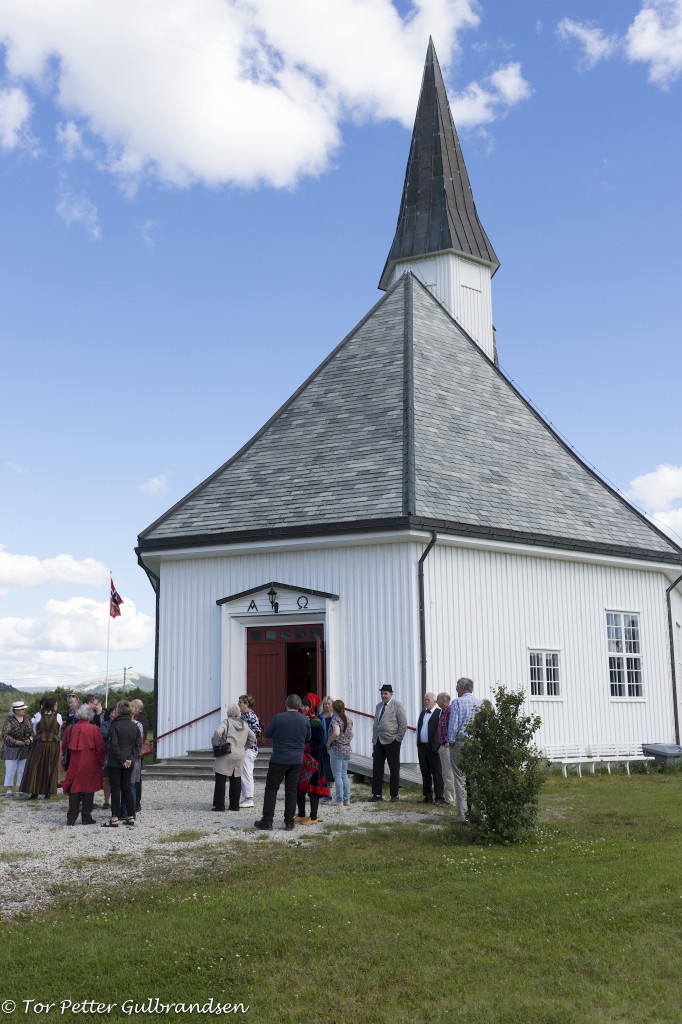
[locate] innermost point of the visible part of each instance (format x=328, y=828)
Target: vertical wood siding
x=464, y=288
x=486, y=610
x=371, y=639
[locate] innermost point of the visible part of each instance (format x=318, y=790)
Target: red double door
x=281, y=660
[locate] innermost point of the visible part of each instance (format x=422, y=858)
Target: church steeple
x=439, y=236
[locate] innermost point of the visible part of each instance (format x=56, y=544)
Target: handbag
x=146, y=749
x=222, y=749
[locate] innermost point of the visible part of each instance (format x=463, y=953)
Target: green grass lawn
x=401, y=924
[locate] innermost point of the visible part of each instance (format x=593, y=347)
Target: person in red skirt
x=312, y=782
x=83, y=779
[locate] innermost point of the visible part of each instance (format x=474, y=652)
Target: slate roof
x=437, y=209
x=409, y=424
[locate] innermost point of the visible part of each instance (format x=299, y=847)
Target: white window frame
x=624, y=655
x=547, y=654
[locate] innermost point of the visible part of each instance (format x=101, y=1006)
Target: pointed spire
x=437, y=210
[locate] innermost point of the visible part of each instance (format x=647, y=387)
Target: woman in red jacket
x=84, y=771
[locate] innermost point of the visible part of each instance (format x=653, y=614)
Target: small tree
x=504, y=769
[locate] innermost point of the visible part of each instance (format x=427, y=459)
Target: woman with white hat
x=17, y=737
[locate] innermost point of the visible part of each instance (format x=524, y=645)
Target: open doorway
x=281, y=660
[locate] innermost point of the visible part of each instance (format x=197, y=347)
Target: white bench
x=618, y=753
x=571, y=756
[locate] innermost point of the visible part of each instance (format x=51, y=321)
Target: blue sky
x=197, y=198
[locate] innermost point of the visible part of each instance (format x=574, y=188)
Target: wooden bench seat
x=619, y=753
x=570, y=756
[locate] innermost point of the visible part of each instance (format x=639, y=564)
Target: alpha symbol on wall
x=302, y=602
x=253, y=607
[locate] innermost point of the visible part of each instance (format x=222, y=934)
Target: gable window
x=625, y=654
x=544, y=674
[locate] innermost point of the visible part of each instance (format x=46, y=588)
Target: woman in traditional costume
x=42, y=764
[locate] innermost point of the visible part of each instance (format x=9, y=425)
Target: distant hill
x=98, y=684
x=8, y=695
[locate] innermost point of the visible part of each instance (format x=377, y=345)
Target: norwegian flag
x=115, y=601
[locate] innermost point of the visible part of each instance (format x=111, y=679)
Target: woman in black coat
x=125, y=742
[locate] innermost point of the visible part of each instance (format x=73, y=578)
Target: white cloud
x=655, y=38
x=66, y=640
x=660, y=489
x=78, y=209
x=27, y=571
x=72, y=143
x=238, y=91
x=147, y=233
x=15, y=110
x=46, y=669
x=155, y=485
x=78, y=624
x=481, y=103
x=16, y=468
x=660, y=493
x=596, y=45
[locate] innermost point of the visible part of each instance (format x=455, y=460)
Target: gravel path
x=41, y=859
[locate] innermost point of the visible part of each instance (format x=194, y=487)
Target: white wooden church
x=408, y=517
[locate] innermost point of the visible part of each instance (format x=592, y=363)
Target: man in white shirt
x=427, y=751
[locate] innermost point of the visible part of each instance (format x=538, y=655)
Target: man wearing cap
x=390, y=725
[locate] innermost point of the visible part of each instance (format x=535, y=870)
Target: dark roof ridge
x=541, y=419
x=275, y=416
x=409, y=468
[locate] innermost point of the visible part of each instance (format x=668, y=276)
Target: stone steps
x=198, y=764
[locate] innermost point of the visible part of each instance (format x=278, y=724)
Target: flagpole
x=115, y=602
x=106, y=681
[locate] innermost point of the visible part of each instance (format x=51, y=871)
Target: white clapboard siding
x=370, y=640
x=486, y=610
x=463, y=286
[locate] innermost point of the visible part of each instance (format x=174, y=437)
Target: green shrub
x=504, y=769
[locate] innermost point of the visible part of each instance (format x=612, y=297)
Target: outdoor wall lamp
x=272, y=594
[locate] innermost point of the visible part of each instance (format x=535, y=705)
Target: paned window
x=544, y=674
x=625, y=654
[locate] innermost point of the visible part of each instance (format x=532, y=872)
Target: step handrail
x=410, y=728
x=162, y=735
x=179, y=727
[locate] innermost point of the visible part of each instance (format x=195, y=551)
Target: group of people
x=441, y=730
x=99, y=749
x=311, y=746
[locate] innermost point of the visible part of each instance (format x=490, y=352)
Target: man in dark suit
x=289, y=732
x=428, y=751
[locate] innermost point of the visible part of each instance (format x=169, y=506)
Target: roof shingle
x=408, y=423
